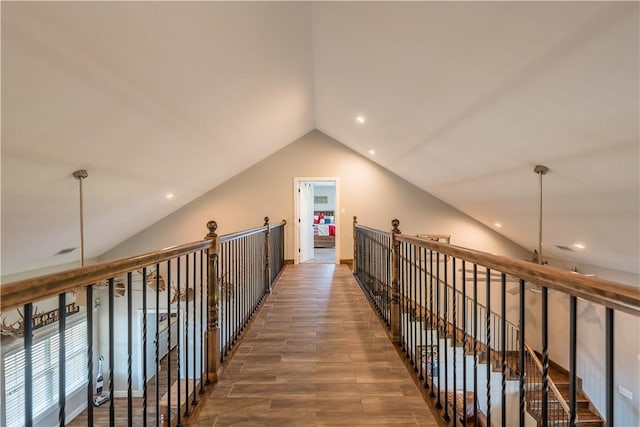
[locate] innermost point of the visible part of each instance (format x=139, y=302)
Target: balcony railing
x=162, y=322
x=446, y=309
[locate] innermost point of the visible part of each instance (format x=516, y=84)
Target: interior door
x=305, y=221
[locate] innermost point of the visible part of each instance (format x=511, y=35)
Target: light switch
x=626, y=393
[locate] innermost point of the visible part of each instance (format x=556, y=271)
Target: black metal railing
x=373, y=267
x=154, y=319
x=449, y=307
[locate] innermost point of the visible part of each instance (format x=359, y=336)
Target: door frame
x=337, y=213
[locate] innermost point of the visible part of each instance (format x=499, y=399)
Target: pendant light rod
x=540, y=170
x=80, y=175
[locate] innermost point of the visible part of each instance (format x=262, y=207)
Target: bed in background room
x=324, y=229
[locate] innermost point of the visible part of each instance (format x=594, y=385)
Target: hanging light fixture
x=81, y=293
x=537, y=254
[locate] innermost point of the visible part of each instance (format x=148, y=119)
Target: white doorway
x=305, y=221
x=317, y=215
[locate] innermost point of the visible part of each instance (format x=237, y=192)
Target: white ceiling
x=461, y=99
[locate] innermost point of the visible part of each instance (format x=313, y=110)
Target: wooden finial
x=266, y=221
x=284, y=222
x=212, y=226
x=395, y=223
x=355, y=219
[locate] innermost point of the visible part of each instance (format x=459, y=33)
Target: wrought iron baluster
x=521, y=352
x=438, y=320
x=180, y=343
x=202, y=320
x=28, y=365
x=62, y=326
x=464, y=341
x=545, y=355
x=609, y=338
x=503, y=331
x=90, y=305
x=112, y=409
x=475, y=345
x=446, y=416
x=455, y=339
x=488, y=348
x=573, y=328
x=187, y=410
x=431, y=350
x=130, y=347
x=169, y=383
x=194, y=401
x=144, y=347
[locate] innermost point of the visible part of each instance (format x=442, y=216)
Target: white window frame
x=76, y=350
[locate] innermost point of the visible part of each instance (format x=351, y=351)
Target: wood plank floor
x=316, y=355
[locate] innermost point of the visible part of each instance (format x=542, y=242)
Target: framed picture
x=320, y=200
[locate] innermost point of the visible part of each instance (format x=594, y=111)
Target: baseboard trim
x=347, y=261
x=288, y=261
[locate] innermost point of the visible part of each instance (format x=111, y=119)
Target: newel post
x=355, y=244
x=395, y=282
x=213, y=292
x=267, y=257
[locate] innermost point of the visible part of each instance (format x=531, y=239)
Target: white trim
x=337, y=217
x=80, y=409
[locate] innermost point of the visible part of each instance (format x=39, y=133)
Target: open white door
x=305, y=220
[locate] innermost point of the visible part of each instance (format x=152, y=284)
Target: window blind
x=45, y=373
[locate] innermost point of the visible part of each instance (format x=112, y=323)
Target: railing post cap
x=212, y=226
x=266, y=220
x=355, y=219
x=284, y=222
x=395, y=223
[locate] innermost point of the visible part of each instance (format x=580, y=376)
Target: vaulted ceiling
x=460, y=99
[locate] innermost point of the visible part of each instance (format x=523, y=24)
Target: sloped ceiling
x=461, y=99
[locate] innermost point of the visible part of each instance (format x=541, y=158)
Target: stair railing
x=418, y=300
x=160, y=320
x=559, y=411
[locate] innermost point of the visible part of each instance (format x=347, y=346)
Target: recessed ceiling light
x=579, y=245
x=360, y=119
x=169, y=196
x=372, y=152
x=497, y=224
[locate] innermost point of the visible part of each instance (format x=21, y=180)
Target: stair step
x=581, y=399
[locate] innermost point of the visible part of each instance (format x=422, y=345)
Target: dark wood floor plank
x=316, y=355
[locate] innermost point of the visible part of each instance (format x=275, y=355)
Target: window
x=45, y=372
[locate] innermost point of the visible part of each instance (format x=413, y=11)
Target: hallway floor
x=316, y=355
x=322, y=256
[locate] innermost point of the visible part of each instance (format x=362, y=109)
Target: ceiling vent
x=564, y=248
x=65, y=251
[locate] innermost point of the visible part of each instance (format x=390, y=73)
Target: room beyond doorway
x=317, y=215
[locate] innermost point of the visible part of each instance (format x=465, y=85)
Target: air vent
x=65, y=251
x=564, y=248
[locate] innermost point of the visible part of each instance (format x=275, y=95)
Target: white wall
x=8, y=278
x=369, y=191
x=329, y=193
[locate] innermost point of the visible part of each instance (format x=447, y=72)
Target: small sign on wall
x=44, y=319
x=320, y=200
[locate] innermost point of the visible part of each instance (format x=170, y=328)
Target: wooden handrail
x=364, y=227
x=281, y=224
x=251, y=231
x=609, y=294
x=552, y=385
x=18, y=293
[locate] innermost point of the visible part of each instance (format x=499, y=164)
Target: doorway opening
x=317, y=214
